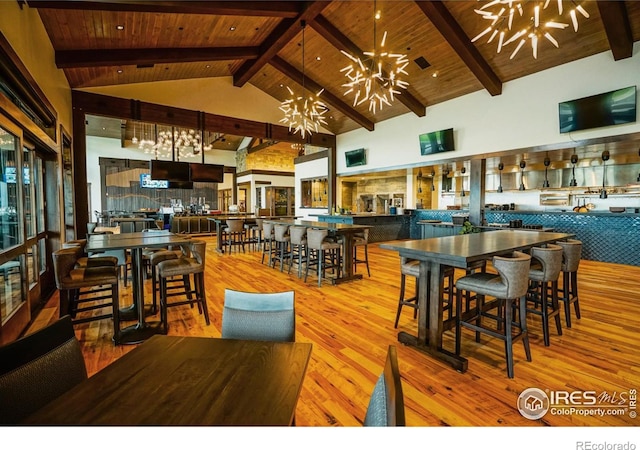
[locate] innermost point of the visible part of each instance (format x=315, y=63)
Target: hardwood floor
x=351, y=325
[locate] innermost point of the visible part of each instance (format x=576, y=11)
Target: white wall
x=318, y=168
x=525, y=115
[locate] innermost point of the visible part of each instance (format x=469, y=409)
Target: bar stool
x=411, y=267
x=571, y=255
x=322, y=252
x=361, y=240
x=509, y=288
x=281, y=238
x=254, y=233
x=235, y=233
x=155, y=259
x=184, y=267
x=76, y=282
x=268, y=249
x=297, y=247
x=546, y=264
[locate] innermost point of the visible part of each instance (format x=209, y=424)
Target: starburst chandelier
x=377, y=78
x=519, y=21
x=303, y=113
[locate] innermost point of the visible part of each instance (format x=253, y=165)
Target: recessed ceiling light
x=120, y=27
x=208, y=66
x=434, y=74
x=318, y=58
x=119, y=70
x=233, y=28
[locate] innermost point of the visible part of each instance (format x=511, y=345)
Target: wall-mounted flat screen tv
x=207, y=173
x=611, y=108
x=436, y=142
x=180, y=184
x=356, y=157
x=147, y=182
x=169, y=170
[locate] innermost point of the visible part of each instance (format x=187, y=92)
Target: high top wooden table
x=456, y=251
x=172, y=380
x=135, y=242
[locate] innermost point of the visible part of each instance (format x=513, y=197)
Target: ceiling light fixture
x=419, y=181
x=507, y=16
x=377, y=78
x=303, y=113
x=500, y=167
x=433, y=177
x=523, y=164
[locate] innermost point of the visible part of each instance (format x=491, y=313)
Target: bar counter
x=606, y=236
x=384, y=227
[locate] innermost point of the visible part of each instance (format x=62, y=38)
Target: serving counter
x=384, y=227
x=606, y=236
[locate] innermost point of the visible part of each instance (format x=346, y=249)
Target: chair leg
x=115, y=308
x=458, y=320
x=566, y=298
x=522, y=303
x=508, y=338
x=401, y=299
x=199, y=281
x=366, y=259
x=574, y=292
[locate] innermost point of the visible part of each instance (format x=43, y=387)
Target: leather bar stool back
x=297, y=247
x=509, y=288
x=235, y=233
x=86, y=290
x=281, y=238
x=542, y=297
x=322, y=252
x=184, y=268
x=568, y=294
x=268, y=247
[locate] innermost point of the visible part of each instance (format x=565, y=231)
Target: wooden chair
x=39, y=368
x=386, y=405
x=259, y=316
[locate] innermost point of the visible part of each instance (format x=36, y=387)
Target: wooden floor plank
x=350, y=326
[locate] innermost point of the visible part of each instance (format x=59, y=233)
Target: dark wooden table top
x=460, y=250
x=98, y=242
x=172, y=380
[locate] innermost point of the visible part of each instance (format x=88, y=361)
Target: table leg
x=429, y=339
x=141, y=330
x=347, y=266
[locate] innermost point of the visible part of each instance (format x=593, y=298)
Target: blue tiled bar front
x=606, y=237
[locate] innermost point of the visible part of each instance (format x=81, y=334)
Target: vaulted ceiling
x=104, y=43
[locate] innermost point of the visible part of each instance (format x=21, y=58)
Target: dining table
x=345, y=230
x=135, y=242
x=459, y=251
x=188, y=381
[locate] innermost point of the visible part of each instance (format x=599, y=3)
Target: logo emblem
x=533, y=403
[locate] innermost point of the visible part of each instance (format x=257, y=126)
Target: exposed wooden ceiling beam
x=221, y=8
x=66, y=59
x=451, y=30
x=616, y=24
x=287, y=30
x=327, y=97
x=261, y=146
x=336, y=38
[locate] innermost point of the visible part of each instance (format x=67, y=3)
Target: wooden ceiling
x=260, y=42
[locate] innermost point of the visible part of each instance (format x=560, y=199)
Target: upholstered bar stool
x=361, y=240
x=235, y=233
x=542, y=296
x=254, y=233
x=75, y=283
x=281, y=238
x=297, y=247
x=568, y=294
x=155, y=259
x=268, y=249
x=509, y=288
x=322, y=253
x=411, y=267
x=184, y=267
x=83, y=260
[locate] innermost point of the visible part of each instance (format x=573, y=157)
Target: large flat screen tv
x=356, y=157
x=169, y=170
x=436, y=142
x=206, y=173
x=147, y=182
x=611, y=108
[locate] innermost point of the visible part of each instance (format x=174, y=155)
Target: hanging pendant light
x=500, y=167
x=574, y=161
x=463, y=171
x=304, y=113
x=605, y=158
x=419, y=178
x=523, y=164
x=547, y=162
x=433, y=177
